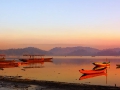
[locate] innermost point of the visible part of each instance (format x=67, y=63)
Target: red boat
x=102, y=64
x=34, y=58
x=91, y=71
x=100, y=67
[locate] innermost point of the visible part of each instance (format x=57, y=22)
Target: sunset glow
x=50, y=23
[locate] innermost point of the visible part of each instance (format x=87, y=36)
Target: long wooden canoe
x=91, y=71
x=101, y=64
x=34, y=58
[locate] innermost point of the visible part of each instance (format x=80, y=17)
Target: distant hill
x=21, y=51
x=74, y=51
x=109, y=52
x=67, y=51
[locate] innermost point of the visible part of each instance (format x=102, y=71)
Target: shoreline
x=53, y=85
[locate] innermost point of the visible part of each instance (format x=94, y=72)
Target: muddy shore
x=52, y=85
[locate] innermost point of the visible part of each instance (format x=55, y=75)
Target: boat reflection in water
x=34, y=64
x=117, y=66
x=86, y=76
x=9, y=65
x=6, y=63
x=29, y=63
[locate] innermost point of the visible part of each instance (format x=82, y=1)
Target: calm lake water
x=66, y=69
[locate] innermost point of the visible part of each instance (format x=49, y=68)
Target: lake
x=66, y=69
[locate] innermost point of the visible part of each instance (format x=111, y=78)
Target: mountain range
x=67, y=51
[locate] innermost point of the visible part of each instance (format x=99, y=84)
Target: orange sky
x=101, y=44
x=59, y=23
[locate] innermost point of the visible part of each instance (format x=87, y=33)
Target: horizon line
x=57, y=47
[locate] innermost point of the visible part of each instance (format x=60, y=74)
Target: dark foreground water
x=66, y=69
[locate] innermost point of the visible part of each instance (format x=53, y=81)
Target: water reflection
x=60, y=69
x=7, y=74
x=34, y=65
x=117, y=66
x=30, y=62
x=73, y=61
x=86, y=76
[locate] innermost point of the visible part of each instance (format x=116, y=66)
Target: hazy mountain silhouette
x=109, y=52
x=74, y=51
x=21, y=51
x=69, y=51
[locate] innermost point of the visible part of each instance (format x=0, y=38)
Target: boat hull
x=31, y=60
x=36, y=60
x=91, y=71
x=101, y=64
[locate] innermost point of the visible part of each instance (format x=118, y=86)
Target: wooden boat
x=30, y=63
x=100, y=67
x=34, y=58
x=86, y=76
x=102, y=64
x=91, y=71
